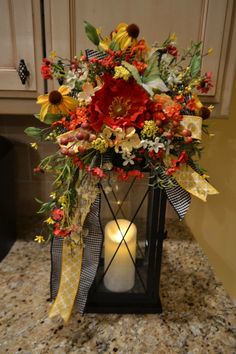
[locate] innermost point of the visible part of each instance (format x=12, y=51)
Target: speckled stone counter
x=198, y=317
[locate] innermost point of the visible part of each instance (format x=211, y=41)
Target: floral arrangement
x=120, y=110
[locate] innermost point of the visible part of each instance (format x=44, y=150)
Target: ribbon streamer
x=72, y=252
x=56, y=261
x=179, y=198
x=91, y=256
x=70, y=275
x=193, y=182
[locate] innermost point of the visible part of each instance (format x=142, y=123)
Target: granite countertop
x=198, y=316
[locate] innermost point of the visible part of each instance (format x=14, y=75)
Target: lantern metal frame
x=102, y=301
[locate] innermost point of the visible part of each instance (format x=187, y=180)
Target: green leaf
x=36, y=115
x=133, y=71
x=33, y=132
x=38, y=201
x=45, y=207
x=157, y=84
x=91, y=33
x=152, y=71
x=49, y=118
x=195, y=65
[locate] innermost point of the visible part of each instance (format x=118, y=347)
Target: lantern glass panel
x=124, y=202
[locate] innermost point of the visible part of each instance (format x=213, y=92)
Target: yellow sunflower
x=56, y=102
x=126, y=35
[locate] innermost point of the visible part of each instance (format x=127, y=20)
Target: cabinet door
x=209, y=21
x=20, y=38
x=16, y=42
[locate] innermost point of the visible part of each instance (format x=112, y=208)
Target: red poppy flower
x=57, y=231
x=118, y=103
x=57, y=214
x=46, y=70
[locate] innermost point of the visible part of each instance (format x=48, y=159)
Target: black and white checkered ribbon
x=179, y=198
x=56, y=262
x=91, y=255
x=90, y=54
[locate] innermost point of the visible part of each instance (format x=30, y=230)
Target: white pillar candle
x=120, y=276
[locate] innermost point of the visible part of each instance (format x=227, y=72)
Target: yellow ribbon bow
x=194, y=124
x=193, y=182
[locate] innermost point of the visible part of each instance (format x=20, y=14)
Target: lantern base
x=132, y=308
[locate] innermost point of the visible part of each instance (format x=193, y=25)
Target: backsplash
x=29, y=185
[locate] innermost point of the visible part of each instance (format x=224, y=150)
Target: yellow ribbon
x=193, y=183
x=187, y=178
x=70, y=276
x=72, y=256
x=194, y=124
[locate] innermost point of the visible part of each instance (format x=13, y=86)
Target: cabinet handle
x=23, y=72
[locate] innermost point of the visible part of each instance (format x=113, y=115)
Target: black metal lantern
x=133, y=223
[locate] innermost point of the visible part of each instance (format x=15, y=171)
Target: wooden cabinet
x=22, y=23
x=209, y=21
x=20, y=38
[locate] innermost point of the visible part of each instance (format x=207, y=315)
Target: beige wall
x=214, y=223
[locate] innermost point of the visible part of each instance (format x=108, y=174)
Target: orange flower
x=140, y=66
x=78, y=118
x=140, y=49
x=162, y=100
